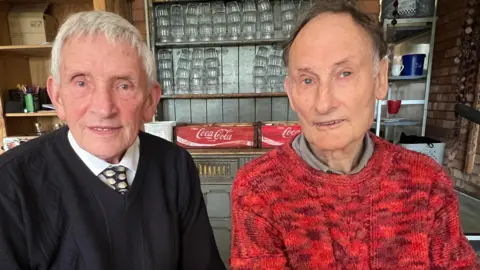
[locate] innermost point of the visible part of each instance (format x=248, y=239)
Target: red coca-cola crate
x=275, y=134
x=237, y=135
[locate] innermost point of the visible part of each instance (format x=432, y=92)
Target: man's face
x=102, y=95
x=331, y=83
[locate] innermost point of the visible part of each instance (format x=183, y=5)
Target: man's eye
x=307, y=81
x=124, y=86
x=345, y=74
x=80, y=83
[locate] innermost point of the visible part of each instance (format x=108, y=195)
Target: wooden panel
x=182, y=111
x=222, y=232
x=199, y=110
x=4, y=32
x=100, y=4
x=217, y=200
x=279, y=109
x=214, y=111
x=246, y=110
x=168, y=110
x=292, y=115
x=27, y=50
x=216, y=170
x=230, y=69
x=263, y=109
x=120, y=7
x=230, y=110
x=62, y=11
x=35, y=114
x=245, y=69
x=39, y=70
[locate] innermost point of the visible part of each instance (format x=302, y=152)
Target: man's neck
x=343, y=160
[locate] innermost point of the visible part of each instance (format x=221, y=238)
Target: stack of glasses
x=182, y=85
x=191, y=22
x=288, y=17
x=165, y=71
x=219, y=20
x=163, y=23
x=233, y=20
x=196, y=74
x=266, y=19
x=275, y=70
x=205, y=22
x=212, y=69
x=249, y=22
x=260, y=70
x=176, y=22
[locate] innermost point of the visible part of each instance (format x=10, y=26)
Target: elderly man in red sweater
x=338, y=197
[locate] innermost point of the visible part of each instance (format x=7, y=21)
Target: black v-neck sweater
x=56, y=214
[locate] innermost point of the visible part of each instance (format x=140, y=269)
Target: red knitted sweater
x=399, y=212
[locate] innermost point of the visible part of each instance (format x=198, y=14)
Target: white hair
x=114, y=27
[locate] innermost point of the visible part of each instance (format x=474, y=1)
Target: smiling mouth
x=328, y=123
x=104, y=130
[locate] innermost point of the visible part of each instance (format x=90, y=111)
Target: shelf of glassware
x=218, y=43
x=232, y=95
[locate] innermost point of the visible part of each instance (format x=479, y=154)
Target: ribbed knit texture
x=400, y=212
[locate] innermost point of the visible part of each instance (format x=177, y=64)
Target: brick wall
x=441, y=117
x=372, y=7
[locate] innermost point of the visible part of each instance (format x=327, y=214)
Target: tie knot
x=116, y=177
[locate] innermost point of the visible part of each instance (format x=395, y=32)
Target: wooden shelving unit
x=30, y=64
x=27, y=50
x=35, y=114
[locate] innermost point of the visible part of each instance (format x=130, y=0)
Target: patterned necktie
x=116, y=177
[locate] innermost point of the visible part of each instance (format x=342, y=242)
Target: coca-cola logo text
x=290, y=132
x=220, y=134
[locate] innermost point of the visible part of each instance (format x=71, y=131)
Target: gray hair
x=114, y=27
x=373, y=29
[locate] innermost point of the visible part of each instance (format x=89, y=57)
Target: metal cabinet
x=217, y=172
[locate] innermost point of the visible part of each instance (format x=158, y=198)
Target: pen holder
x=29, y=103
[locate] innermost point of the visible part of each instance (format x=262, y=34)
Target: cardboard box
x=29, y=25
x=236, y=135
x=274, y=134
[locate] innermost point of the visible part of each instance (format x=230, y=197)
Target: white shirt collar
x=97, y=165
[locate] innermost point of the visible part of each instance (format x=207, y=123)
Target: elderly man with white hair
x=101, y=194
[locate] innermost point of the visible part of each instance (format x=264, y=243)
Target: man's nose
x=323, y=99
x=103, y=101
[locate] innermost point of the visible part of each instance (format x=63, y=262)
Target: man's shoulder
x=421, y=167
x=262, y=173
x=36, y=149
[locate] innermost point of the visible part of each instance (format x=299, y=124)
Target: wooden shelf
x=27, y=50
x=235, y=95
x=35, y=114
x=229, y=152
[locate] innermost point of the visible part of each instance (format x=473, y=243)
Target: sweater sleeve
x=198, y=247
x=449, y=248
x=256, y=243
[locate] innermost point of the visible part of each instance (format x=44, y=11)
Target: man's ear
x=53, y=89
x=381, y=81
x=152, y=102
x=288, y=85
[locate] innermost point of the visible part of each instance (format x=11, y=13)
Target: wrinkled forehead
x=329, y=38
